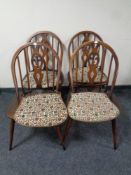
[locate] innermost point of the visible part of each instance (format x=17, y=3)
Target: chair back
x=80, y=38
x=49, y=38
x=93, y=55
x=40, y=56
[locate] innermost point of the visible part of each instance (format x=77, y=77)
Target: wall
x=110, y=19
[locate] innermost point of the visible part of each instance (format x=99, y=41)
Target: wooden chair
x=75, y=42
x=53, y=41
x=39, y=106
x=93, y=105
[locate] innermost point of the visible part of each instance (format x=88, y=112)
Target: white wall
x=111, y=19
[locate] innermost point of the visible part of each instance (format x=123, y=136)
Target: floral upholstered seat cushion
x=91, y=107
x=44, y=80
x=78, y=76
x=41, y=110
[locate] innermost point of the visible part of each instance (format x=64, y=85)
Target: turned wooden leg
x=66, y=131
x=58, y=131
x=11, y=133
x=114, y=136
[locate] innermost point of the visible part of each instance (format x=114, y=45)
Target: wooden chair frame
x=86, y=35
x=20, y=91
x=91, y=83
x=50, y=39
x=44, y=36
x=76, y=41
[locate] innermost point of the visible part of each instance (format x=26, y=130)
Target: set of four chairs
x=37, y=75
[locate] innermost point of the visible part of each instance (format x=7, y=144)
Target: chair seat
x=44, y=80
x=85, y=77
x=41, y=110
x=91, y=107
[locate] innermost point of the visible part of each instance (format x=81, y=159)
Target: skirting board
x=64, y=88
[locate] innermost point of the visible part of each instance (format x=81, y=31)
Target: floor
x=89, y=150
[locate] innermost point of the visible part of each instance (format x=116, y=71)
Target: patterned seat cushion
x=41, y=110
x=44, y=80
x=85, y=77
x=91, y=107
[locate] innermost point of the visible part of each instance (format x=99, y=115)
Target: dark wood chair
x=53, y=41
x=75, y=42
x=94, y=105
x=39, y=106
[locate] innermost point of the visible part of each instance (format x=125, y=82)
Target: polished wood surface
x=76, y=41
x=93, y=53
x=49, y=38
x=38, y=54
x=53, y=41
x=12, y=107
x=96, y=53
x=80, y=38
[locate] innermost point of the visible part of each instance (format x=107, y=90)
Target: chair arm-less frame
x=94, y=105
x=37, y=106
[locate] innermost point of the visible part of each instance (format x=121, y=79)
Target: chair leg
x=12, y=125
x=58, y=131
x=66, y=131
x=114, y=133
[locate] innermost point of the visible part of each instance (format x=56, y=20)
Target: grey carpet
x=36, y=151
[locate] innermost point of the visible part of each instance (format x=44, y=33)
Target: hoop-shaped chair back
x=40, y=60
x=92, y=54
x=49, y=38
x=80, y=38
